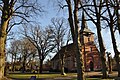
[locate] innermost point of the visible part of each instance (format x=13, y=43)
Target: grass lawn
x=69, y=76
x=48, y=76
x=94, y=79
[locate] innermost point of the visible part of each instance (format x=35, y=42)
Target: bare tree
x=14, y=50
x=70, y=18
x=111, y=22
x=42, y=40
x=77, y=43
x=59, y=29
x=93, y=9
x=116, y=5
x=19, y=10
x=74, y=27
x=20, y=51
x=109, y=62
x=26, y=50
x=62, y=55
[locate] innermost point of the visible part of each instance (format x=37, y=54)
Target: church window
x=88, y=38
x=90, y=49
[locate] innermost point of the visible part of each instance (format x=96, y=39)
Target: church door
x=91, y=66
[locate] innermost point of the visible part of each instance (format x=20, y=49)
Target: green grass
x=27, y=76
x=50, y=76
x=94, y=79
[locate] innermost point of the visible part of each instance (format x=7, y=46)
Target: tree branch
x=22, y=17
x=10, y=27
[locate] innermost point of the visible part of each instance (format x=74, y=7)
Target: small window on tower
x=88, y=38
x=90, y=49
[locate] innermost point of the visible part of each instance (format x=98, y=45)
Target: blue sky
x=52, y=11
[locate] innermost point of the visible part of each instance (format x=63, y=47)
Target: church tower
x=90, y=52
x=86, y=34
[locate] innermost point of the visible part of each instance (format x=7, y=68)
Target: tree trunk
x=102, y=51
x=109, y=63
x=85, y=59
x=3, y=36
x=70, y=19
x=118, y=23
x=23, y=67
x=41, y=66
x=62, y=64
x=117, y=53
x=31, y=66
x=2, y=57
x=13, y=62
x=41, y=58
x=79, y=58
x=118, y=64
x=13, y=66
x=118, y=15
x=111, y=25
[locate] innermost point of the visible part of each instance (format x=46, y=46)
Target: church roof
x=87, y=30
x=84, y=27
x=65, y=49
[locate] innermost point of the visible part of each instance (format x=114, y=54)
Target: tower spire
x=84, y=27
x=84, y=24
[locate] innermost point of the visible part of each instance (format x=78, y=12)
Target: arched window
x=88, y=39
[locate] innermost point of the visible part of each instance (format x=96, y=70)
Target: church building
x=90, y=53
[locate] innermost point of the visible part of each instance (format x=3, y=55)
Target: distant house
x=91, y=57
